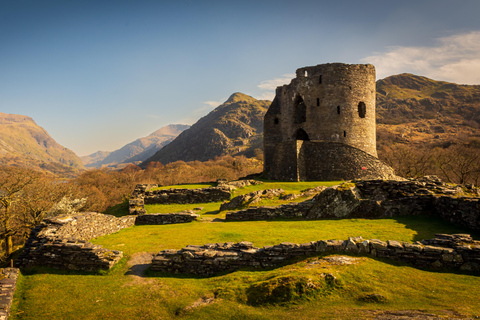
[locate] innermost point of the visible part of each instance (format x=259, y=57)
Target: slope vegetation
x=22, y=141
x=419, y=110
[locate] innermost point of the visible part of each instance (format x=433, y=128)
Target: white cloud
x=270, y=85
x=212, y=104
x=455, y=58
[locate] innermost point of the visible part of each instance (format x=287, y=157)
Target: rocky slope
x=235, y=127
x=138, y=150
x=22, y=141
x=417, y=110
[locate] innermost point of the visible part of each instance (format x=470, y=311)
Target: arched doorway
x=301, y=135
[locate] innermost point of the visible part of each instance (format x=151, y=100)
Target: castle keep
x=322, y=126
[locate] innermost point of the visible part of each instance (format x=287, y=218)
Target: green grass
x=44, y=293
x=261, y=233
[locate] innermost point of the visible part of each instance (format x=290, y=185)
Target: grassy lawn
x=44, y=293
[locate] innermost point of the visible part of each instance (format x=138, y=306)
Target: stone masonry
x=458, y=252
x=321, y=126
x=62, y=242
x=166, y=218
x=8, y=283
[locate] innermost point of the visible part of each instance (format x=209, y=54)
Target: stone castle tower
x=322, y=126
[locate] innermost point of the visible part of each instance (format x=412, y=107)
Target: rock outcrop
x=250, y=198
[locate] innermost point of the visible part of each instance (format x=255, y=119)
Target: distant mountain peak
x=14, y=118
x=234, y=128
x=138, y=150
x=24, y=142
x=238, y=96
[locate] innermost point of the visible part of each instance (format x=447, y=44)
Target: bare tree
x=13, y=181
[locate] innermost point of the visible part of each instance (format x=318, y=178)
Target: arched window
x=362, y=109
x=300, y=110
x=301, y=135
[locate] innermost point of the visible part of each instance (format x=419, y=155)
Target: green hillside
x=22, y=141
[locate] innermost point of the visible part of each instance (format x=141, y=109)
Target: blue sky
x=99, y=74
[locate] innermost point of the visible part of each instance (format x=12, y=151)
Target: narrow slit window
x=344, y=134
x=362, y=109
x=338, y=109
x=320, y=79
x=318, y=102
x=276, y=121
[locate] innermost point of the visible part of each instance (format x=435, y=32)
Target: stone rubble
x=250, y=198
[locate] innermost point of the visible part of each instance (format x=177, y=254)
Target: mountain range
x=136, y=151
x=410, y=110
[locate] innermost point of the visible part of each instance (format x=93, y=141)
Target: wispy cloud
x=455, y=58
x=212, y=104
x=270, y=85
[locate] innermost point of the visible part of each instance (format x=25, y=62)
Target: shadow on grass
x=211, y=212
x=118, y=210
x=427, y=226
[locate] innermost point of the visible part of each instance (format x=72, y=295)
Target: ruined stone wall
x=8, y=283
x=166, y=218
x=143, y=195
x=183, y=196
x=324, y=103
x=62, y=242
x=445, y=251
x=379, y=199
x=464, y=212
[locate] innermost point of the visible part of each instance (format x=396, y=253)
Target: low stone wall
x=62, y=242
x=166, y=218
x=288, y=211
x=460, y=211
x=445, y=251
x=8, y=283
x=184, y=196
